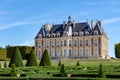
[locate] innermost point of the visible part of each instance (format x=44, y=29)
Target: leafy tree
x=101, y=72
x=16, y=59
x=5, y=64
x=32, y=61
x=117, y=50
x=59, y=64
x=13, y=71
x=77, y=64
x=0, y=65
x=45, y=60
x=62, y=71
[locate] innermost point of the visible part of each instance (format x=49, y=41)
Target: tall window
x=87, y=42
x=39, y=45
x=87, y=52
x=81, y=52
x=53, y=53
x=65, y=43
x=80, y=42
x=53, y=43
x=75, y=43
x=58, y=43
x=75, y=53
x=39, y=54
x=47, y=44
x=70, y=43
x=65, y=53
x=58, y=53
x=95, y=42
x=96, y=52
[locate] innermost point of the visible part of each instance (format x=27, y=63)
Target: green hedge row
x=24, y=50
x=2, y=54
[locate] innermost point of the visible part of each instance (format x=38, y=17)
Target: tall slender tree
x=31, y=60
x=45, y=60
x=16, y=59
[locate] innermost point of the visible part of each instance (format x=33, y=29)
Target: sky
x=20, y=20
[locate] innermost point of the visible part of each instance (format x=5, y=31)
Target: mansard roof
x=76, y=27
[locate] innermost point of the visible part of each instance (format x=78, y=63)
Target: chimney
x=92, y=24
x=64, y=23
x=99, y=22
x=74, y=23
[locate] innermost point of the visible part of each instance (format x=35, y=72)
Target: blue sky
x=20, y=20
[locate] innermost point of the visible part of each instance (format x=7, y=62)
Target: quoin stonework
x=72, y=39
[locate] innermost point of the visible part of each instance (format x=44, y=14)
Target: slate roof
x=59, y=28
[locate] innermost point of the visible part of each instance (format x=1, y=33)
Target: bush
x=59, y=64
x=101, y=72
x=16, y=59
x=77, y=64
x=45, y=60
x=62, y=71
x=13, y=72
x=32, y=61
x=5, y=64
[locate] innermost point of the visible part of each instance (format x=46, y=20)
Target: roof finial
x=69, y=18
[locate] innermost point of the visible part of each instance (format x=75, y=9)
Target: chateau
x=72, y=40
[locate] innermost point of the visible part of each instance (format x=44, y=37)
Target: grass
x=87, y=67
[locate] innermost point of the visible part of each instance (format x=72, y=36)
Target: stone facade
x=72, y=40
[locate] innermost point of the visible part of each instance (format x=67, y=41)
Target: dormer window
x=80, y=33
x=53, y=35
x=48, y=35
x=95, y=32
x=58, y=34
x=86, y=33
x=65, y=34
x=40, y=35
x=75, y=34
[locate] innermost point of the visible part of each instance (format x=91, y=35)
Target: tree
x=16, y=58
x=59, y=64
x=13, y=71
x=77, y=64
x=117, y=50
x=101, y=72
x=62, y=71
x=32, y=61
x=45, y=60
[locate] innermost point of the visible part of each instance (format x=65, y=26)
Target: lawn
x=88, y=69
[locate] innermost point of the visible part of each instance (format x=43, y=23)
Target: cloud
x=109, y=21
x=27, y=43
x=15, y=24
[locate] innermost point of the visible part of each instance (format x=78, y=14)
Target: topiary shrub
x=0, y=65
x=13, y=71
x=31, y=60
x=101, y=72
x=77, y=64
x=62, y=71
x=16, y=59
x=5, y=64
x=45, y=60
x=59, y=64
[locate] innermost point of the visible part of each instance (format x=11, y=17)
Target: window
x=80, y=42
x=95, y=52
x=87, y=52
x=65, y=43
x=95, y=32
x=58, y=43
x=70, y=53
x=47, y=44
x=65, y=53
x=40, y=35
x=53, y=44
x=86, y=33
x=95, y=42
x=58, y=53
x=75, y=43
x=81, y=52
x=39, y=45
x=81, y=34
x=87, y=42
x=52, y=53
x=75, y=53
x=39, y=54
x=70, y=43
